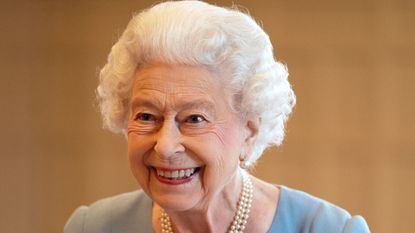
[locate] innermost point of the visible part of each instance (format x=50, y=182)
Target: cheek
x=219, y=151
x=214, y=145
x=138, y=146
x=137, y=157
x=133, y=149
x=229, y=141
x=220, y=147
x=229, y=135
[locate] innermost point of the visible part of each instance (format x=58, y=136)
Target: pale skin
x=182, y=118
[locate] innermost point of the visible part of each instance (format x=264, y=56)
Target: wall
x=349, y=141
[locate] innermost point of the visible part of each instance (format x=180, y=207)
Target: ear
x=251, y=133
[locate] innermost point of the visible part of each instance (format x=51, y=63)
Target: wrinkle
x=140, y=130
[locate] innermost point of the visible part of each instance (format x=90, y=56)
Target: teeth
x=174, y=174
x=167, y=174
x=189, y=172
x=177, y=174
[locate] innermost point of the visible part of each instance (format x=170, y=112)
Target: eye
x=194, y=119
x=145, y=117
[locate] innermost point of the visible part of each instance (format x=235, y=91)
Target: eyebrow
x=199, y=104
x=145, y=102
x=156, y=104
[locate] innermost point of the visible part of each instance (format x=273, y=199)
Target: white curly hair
x=197, y=33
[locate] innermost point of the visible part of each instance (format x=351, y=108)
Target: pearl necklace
x=241, y=215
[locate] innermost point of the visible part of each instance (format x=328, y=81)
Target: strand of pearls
x=244, y=205
x=242, y=212
x=165, y=223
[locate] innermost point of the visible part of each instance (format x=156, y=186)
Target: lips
x=175, y=176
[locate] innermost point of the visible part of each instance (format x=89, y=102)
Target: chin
x=178, y=205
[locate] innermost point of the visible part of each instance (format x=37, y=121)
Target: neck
x=215, y=216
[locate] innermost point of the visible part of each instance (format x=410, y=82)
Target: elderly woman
x=197, y=91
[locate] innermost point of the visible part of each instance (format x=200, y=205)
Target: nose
x=168, y=140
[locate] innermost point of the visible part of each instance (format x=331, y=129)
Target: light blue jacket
x=297, y=212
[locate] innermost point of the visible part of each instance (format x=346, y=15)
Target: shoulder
x=301, y=212
x=125, y=213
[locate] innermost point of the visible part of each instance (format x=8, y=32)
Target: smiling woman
x=199, y=95
x=189, y=126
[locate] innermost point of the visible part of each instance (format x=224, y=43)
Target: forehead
x=177, y=79
x=173, y=77
x=161, y=82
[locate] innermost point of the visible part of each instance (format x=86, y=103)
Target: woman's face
x=184, y=139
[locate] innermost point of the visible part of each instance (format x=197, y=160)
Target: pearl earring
x=243, y=164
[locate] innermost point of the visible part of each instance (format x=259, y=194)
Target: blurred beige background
x=349, y=141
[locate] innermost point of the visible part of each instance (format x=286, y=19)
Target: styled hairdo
x=197, y=33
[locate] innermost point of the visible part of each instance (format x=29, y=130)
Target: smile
x=175, y=176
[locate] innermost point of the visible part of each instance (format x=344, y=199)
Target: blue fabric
x=297, y=212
